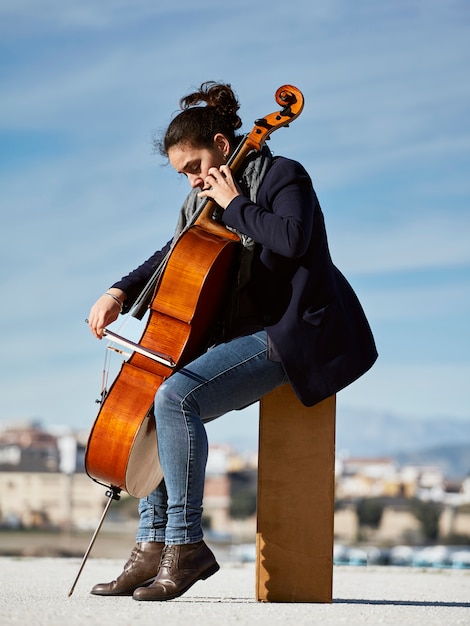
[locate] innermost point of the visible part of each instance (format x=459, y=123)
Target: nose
x=195, y=181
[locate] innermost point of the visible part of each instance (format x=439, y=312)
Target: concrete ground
x=34, y=591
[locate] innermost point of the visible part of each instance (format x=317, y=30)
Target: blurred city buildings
x=43, y=485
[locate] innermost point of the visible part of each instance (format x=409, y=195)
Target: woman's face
x=195, y=163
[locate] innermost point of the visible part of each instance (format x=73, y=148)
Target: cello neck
x=204, y=218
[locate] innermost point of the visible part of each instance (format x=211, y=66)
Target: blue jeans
x=229, y=376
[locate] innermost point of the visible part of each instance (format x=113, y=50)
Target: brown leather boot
x=139, y=571
x=180, y=567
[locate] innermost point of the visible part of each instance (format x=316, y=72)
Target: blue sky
x=385, y=135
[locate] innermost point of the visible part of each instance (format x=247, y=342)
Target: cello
x=184, y=297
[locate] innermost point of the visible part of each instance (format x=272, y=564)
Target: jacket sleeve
x=282, y=218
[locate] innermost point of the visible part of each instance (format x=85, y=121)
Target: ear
x=222, y=143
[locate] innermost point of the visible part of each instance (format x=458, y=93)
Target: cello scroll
x=292, y=101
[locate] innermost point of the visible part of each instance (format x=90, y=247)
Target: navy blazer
x=310, y=311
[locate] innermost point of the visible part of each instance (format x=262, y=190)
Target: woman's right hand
x=105, y=310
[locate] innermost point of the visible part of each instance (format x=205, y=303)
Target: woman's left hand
x=220, y=186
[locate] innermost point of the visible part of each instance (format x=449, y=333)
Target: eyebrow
x=187, y=165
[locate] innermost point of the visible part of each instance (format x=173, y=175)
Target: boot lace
x=168, y=556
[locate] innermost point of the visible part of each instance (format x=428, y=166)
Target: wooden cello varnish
x=122, y=448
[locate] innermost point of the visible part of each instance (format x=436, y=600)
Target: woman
x=291, y=317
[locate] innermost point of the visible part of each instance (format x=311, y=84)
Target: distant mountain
x=366, y=433
x=434, y=441
x=453, y=460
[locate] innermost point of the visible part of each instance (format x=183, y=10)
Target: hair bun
x=219, y=96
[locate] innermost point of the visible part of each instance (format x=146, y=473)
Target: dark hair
x=198, y=125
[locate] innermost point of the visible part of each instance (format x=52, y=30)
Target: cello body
x=122, y=448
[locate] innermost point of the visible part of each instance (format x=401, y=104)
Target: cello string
x=111, y=349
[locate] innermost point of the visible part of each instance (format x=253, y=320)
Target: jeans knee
x=172, y=398
x=166, y=399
